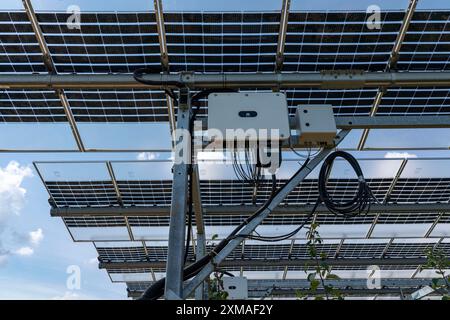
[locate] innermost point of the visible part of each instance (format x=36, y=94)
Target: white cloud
x=12, y=194
x=147, y=156
x=36, y=237
x=400, y=155
x=24, y=251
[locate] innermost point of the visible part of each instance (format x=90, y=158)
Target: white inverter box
x=236, y=287
x=248, y=112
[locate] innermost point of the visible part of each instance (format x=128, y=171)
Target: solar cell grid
x=318, y=41
x=345, y=102
x=82, y=193
x=121, y=254
x=118, y=105
x=422, y=190
x=300, y=251
x=403, y=250
x=19, y=50
x=94, y=222
x=426, y=45
x=222, y=42
x=415, y=101
x=145, y=193
x=226, y=192
x=370, y=250
x=105, y=42
x=418, y=218
x=30, y=106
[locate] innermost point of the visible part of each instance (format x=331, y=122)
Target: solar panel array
x=147, y=242
x=120, y=42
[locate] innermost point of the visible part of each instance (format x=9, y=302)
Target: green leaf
x=332, y=276
x=214, y=237
x=314, y=285
x=311, y=276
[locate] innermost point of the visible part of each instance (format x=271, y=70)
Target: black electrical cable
x=360, y=202
x=139, y=73
x=190, y=214
x=156, y=290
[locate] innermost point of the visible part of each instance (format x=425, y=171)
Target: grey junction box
x=315, y=125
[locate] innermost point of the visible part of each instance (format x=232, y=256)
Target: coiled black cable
x=360, y=202
x=362, y=199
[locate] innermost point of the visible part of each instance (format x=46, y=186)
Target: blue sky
x=33, y=263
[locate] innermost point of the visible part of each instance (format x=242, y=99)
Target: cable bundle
x=361, y=201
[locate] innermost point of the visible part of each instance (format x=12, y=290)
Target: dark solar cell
x=221, y=42
x=30, y=106
x=105, y=42
x=94, y=222
x=415, y=101
x=146, y=193
x=226, y=192
x=423, y=190
x=318, y=41
x=369, y=250
x=19, y=50
x=82, y=193
x=118, y=105
x=426, y=45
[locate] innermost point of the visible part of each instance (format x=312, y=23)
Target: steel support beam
x=436, y=221
x=251, y=226
x=387, y=196
x=201, y=291
x=241, y=210
x=114, y=182
x=282, y=34
x=289, y=256
x=197, y=200
x=339, y=262
x=331, y=79
x=395, y=53
x=338, y=249
x=48, y=62
x=386, y=248
x=177, y=228
x=159, y=16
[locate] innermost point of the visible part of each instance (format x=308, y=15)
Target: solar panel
x=246, y=42
x=415, y=101
x=145, y=193
x=222, y=42
x=318, y=41
x=105, y=42
x=118, y=105
x=82, y=193
x=30, y=106
x=414, y=190
x=19, y=50
x=426, y=44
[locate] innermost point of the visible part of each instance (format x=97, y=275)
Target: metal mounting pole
x=251, y=226
x=200, y=293
x=393, y=59
x=177, y=228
